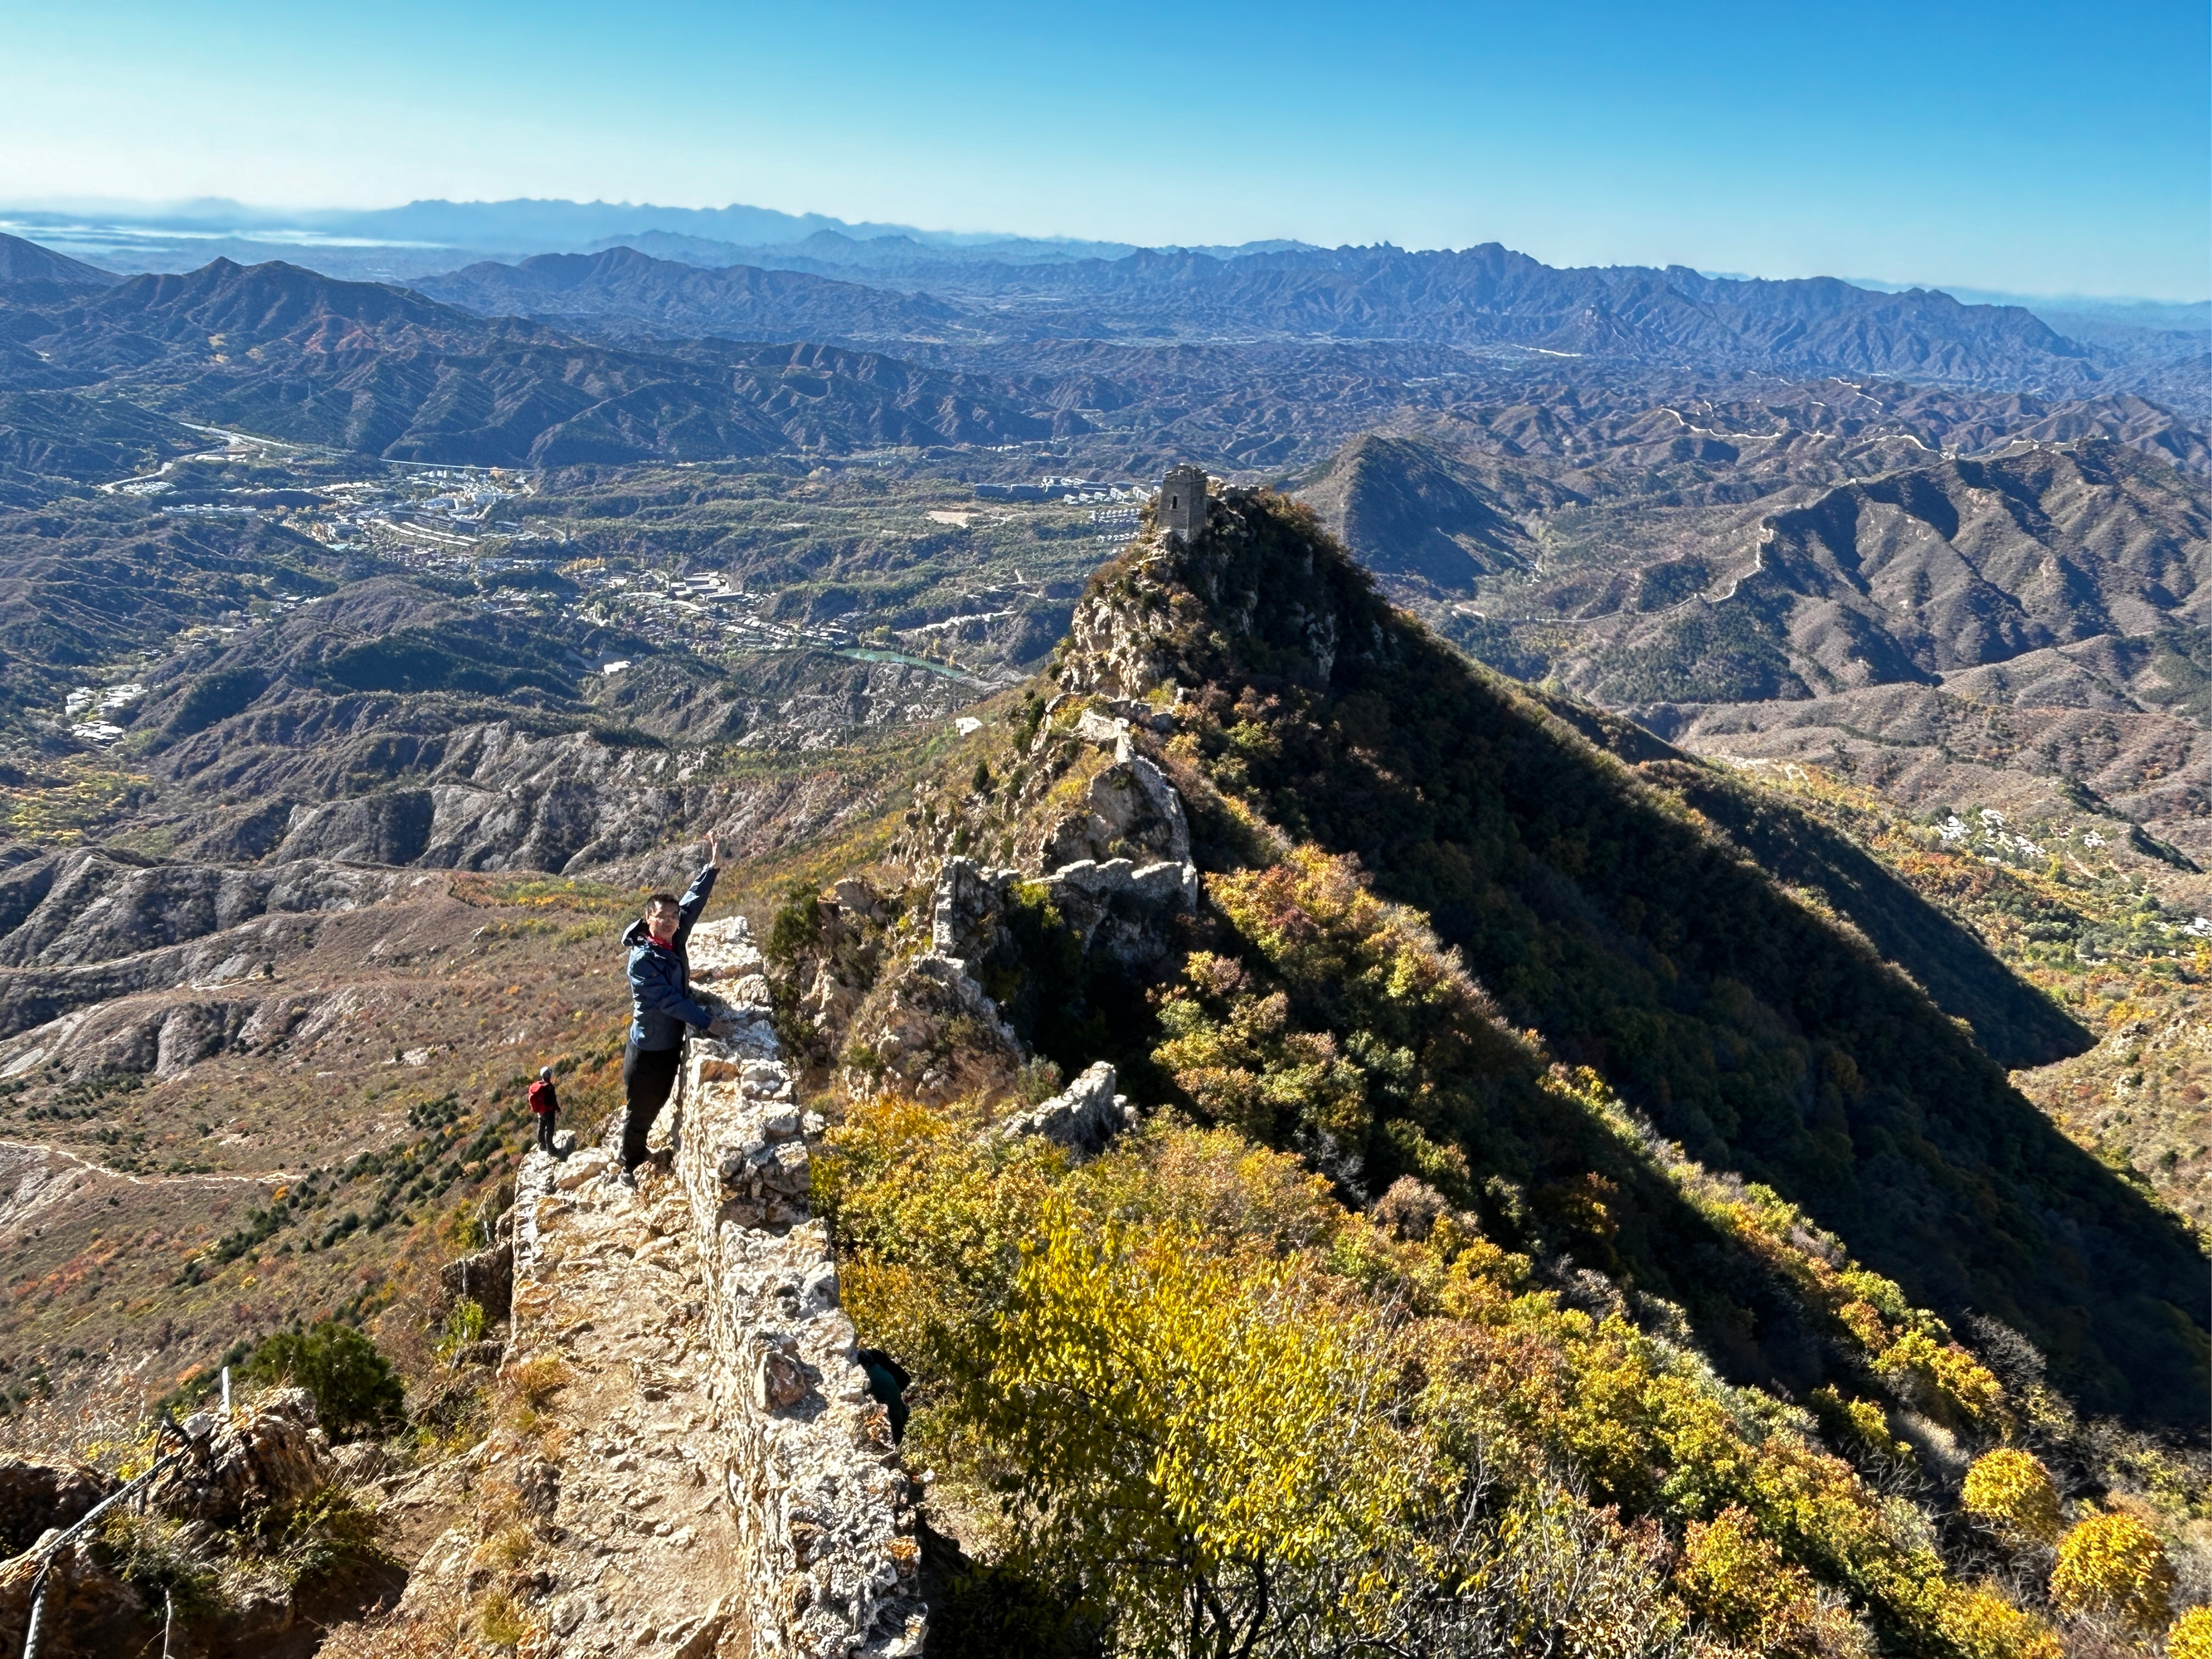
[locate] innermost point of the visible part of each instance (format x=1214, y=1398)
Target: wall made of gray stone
x=1182, y=510
x=825, y=1509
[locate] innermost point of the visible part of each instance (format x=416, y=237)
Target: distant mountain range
x=629, y=292
x=1270, y=359
x=383, y=371
x=1487, y=300
x=2188, y=317
x=398, y=243
x=521, y=224
x=1486, y=297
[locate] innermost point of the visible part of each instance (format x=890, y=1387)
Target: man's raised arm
x=703, y=886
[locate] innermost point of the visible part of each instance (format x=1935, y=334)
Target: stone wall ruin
x=825, y=1515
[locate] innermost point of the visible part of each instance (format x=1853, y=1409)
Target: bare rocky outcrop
x=1117, y=908
x=1121, y=910
x=35, y=1497
x=905, y=1028
x=268, y=1459
x=486, y=1278
x=902, y=1027
x=842, y=963
x=271, y=1454
x=966, y=907
x=1126, y=809
x=1102, y=841
x=90, y=1612
x=1112, y=636
x=1084, y=1117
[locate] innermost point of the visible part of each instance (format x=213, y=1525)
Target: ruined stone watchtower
x=1183, y=503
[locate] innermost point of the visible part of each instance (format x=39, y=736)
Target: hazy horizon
x=2013, y=147
x=264, y=222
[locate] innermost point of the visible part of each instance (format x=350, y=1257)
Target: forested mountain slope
x=1622, y=913
x=1547, y=1120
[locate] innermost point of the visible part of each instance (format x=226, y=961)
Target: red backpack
x=541, y=1096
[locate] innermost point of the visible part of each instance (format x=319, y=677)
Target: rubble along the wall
x=827, y=1513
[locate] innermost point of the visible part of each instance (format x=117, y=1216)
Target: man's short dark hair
x=668, y=899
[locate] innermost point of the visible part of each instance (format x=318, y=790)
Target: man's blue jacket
x=660, y=976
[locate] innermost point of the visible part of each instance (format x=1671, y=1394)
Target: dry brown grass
x=534, y=1381
x=443, y=1629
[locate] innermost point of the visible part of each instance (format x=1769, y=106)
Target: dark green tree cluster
x=355, y=1390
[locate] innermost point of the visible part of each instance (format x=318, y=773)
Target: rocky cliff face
x=193, y=1533
x=1098, y=854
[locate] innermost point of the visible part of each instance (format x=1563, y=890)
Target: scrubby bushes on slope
x=1601, y=906
x=1446, y=1215
x=355, y=1390
x=1208, y=1403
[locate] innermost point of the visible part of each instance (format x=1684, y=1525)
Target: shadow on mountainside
x=1613, y=905
x=2013, y=1021
x=2016, y=1023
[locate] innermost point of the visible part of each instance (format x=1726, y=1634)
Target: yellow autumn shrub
x=1734, y=1579
x=2011, y=1489
x=1861, y=1424
x=1227, y=1431
x=2191, y=1635
x=1979, y=1624
x=2114, y=1566
x=1954, y=1375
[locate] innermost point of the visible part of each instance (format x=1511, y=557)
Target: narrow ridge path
x=609, y=1489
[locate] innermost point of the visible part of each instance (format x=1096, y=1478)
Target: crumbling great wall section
x=743, y=1496
x=826, y=1512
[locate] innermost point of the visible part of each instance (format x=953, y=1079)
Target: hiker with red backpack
x=545, y=1106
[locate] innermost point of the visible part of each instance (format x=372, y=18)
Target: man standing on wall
x=661, y=1005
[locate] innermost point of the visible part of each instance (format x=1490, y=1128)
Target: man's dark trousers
x=648, y=1074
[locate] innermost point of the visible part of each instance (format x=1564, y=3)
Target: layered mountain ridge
x=385, y=371
x=1485, y=300
x=1937, y=617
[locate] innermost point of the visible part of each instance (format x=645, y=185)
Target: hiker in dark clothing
x=661, y=1005
x=545, y=1106
x=888, y=1382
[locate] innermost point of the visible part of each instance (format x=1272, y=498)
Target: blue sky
x=2029, y=147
